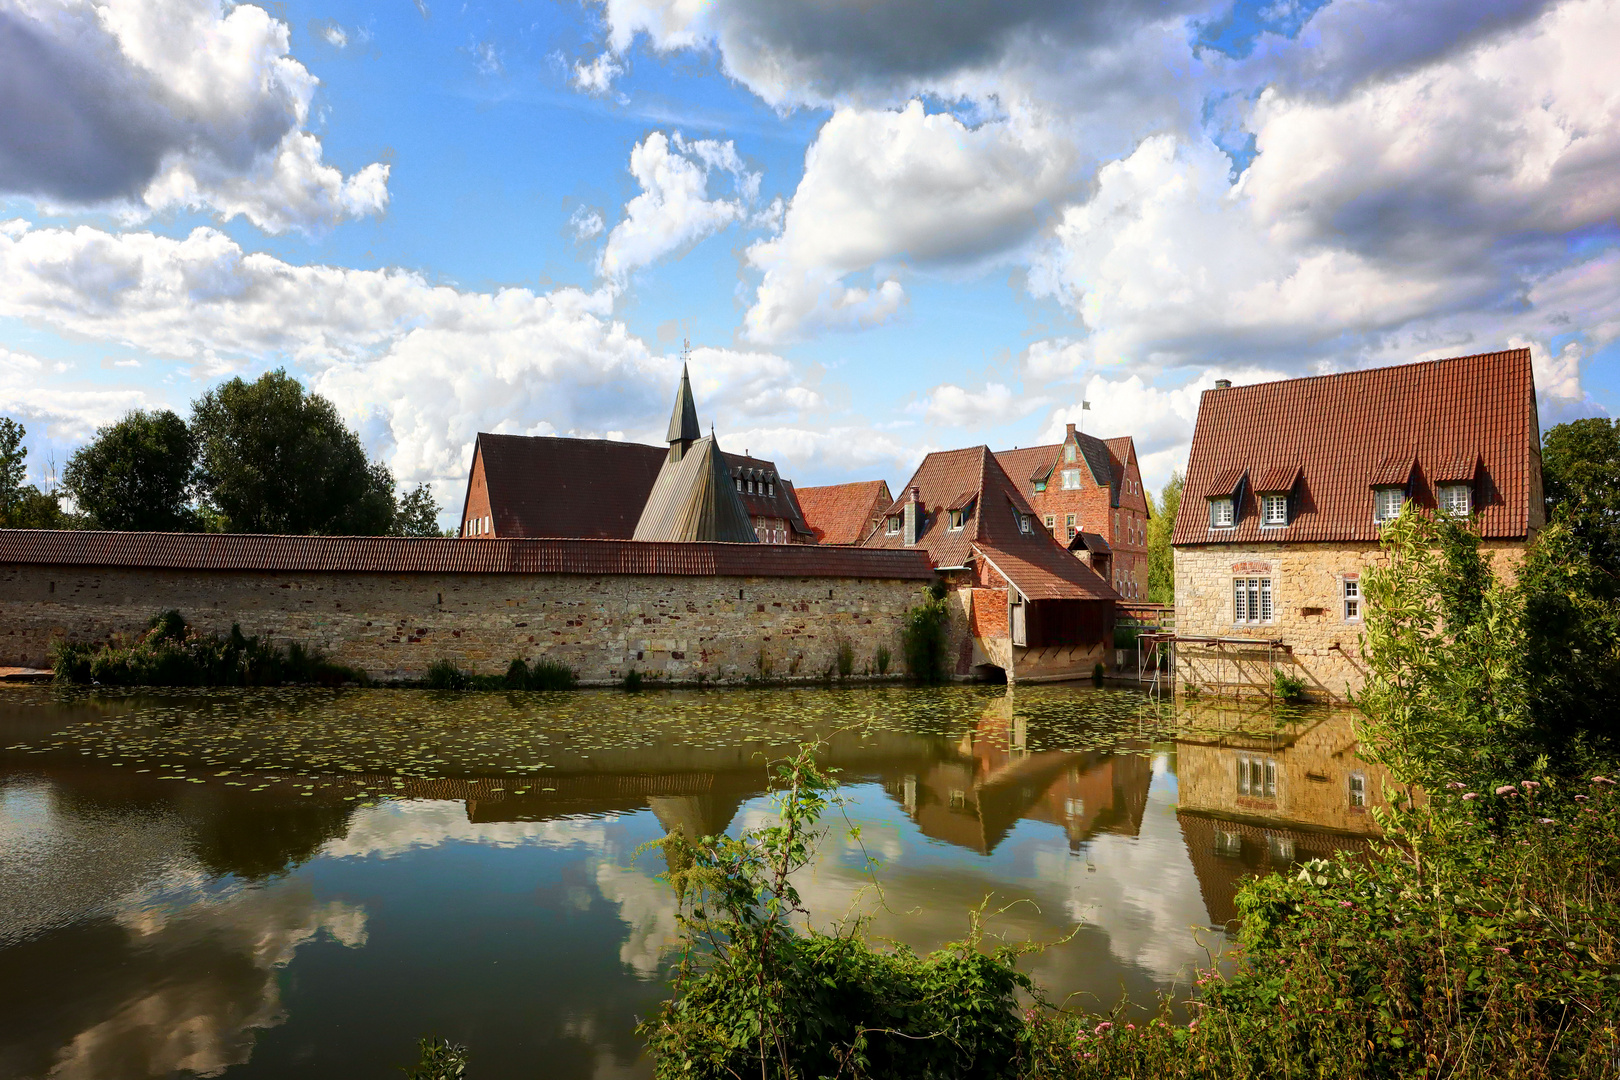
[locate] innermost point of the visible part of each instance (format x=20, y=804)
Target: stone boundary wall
x=1307, y=598
x=676, y=627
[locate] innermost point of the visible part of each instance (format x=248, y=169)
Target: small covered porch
x=1044, y=623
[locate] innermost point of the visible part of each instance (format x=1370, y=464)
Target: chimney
x=1069, y=434
x=911, y=524
x=1223, y=384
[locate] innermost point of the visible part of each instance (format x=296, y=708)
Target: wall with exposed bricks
x=393, y=625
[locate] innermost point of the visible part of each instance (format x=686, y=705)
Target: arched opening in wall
x=989, y=673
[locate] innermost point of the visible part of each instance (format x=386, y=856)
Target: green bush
x=846, y=658
x=924, y=635
x=439, y=1059
x=1097, y=674
x=1286, y=687
x=632, y=680
x=445, y=675
x=883, y=659
x=543, y=675
x=170, y=653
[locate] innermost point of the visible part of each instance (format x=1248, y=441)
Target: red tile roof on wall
x=1033, y=561
x=842, y=513
x=401, y=555
x=1352, y=431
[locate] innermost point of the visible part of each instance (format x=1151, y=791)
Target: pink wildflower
x=1500, y=949
x=1345, y=903
x=1102, y=1027
x=1546, y=821
x=1506, y=789
x=1130, y=1027
x=1454, y=786
x=1528, y=784
x=1470, y=796
x=1581, y=798
x=1601, y=780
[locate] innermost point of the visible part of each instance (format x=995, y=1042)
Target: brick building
x=526, y=486
x=1289, y=484
x=1087, y=485
x=844, y=513
x=1023, y=604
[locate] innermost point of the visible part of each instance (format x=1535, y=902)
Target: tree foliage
x=1161, y=558
x=24, y=506
x=137, y=475
x=1580, y=469
x=418, y=513
x=924, y=635
x=276, y=459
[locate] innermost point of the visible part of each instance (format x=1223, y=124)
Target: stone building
x=1085, y=489
x=1023, y=606
x=526, y=486
x=1289, y=483
x=844, y=513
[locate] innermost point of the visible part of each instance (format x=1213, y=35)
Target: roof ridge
x=1385, y=367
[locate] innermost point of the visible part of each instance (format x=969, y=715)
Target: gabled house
x=1087, y=485
x=1024, y=605
x=845, y=513
x=1289, y=484
x=522, y=486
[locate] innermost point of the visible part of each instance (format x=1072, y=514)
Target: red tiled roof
x=1224, y=481
x=1350, y=431
x=1104, y=458
x=1035, y=562
x=588, y=488
x=758, y=504
x=963, y=501
x=842, y=513
x=401, y=555
x=1277, y=478
x=1463, y=468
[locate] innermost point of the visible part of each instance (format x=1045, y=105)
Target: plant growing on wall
x=924, y=635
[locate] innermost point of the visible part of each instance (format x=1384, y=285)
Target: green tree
x=1161, y=559
x=1580, y=470
x=13, y=463
x=418, y=514
x=137, y=475
x=276, y=459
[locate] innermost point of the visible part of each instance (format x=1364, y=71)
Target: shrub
x=883, y=659
x=924, y=635
x=439, y=1059
x=445, y=675
x=1287, y=687
x=753, y=997
x=846, y=658
x=170, y=653
x=632, y=680
x=1097, y=674
x=552, y=675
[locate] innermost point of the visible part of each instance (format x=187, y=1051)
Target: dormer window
x=1387, y=503
x=957, y=517
x=1274, y=510
x=1068, y=452
x=1071, y=479
x=1040, y=485
x=894, y=525
x=1025, y=524
x=770, y=489
x=1222, y=513
x=1456, y=500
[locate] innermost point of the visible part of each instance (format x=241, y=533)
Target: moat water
x=302, y=883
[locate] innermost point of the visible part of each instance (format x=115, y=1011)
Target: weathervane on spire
x=686, y=350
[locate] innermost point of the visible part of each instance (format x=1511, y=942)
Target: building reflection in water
x=1259, y=795
x=145, y=925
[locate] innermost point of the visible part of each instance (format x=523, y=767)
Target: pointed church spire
x=683, y=422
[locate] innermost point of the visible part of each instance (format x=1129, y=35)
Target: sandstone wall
x=1308, y=614
x=393, y=625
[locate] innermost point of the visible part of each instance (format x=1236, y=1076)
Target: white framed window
x=1024, y=523
x=1358, y=790
x=770, y=489
x=1274, y=510
x=1068, y=523
x=1251, y=600
x=1387, y=503
x=1256, y=776
x=1050, y=522
x=1456, y=500
x=1068, y=452
x=1222, y=513
x=1071, y=479
x=957, y=518
x=894, y=525
x=738, y=482
x=1352, y=599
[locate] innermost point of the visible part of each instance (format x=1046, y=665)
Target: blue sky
x=890, y=228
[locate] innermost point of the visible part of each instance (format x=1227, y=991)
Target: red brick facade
x=1086, y=484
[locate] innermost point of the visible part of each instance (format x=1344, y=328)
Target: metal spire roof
x=695, y=498
x=683, y=422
